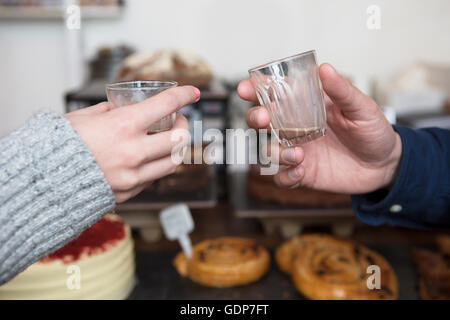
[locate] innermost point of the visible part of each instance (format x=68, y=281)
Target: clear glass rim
x=265, y=65
x=141, y=85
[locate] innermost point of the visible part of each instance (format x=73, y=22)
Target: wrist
x=393, y=164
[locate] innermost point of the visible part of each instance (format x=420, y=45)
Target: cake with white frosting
x=99, y=264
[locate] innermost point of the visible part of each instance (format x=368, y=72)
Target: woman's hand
x=360, y=152
x=129, y=158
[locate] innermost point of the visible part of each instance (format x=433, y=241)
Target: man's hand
x=360, y=152
x=129, y=158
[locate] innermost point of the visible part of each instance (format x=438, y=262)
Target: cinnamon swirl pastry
x=434, y=275
x=330, y=268
x=443, y=242
x=224, y=262
x=433, y=269
x=287, y=253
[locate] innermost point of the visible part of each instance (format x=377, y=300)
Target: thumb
x=95, y=109
x=354, y=104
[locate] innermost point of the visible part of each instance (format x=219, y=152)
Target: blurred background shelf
x=195, y=198
x=247, y=206
x=57, y=12
x=288, y=220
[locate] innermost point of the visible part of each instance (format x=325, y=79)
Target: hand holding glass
x=291, y=91
x=122, y=94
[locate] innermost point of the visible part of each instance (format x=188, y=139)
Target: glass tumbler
x=291, y=90
x=125, y=93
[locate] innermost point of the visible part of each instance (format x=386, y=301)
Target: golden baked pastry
x=288, y=251
x=433, y=269
x=224, y=262
x=434, y=274
x=443, y=242
x=331, y=268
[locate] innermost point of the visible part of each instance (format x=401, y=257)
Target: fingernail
x=295, y=173
x=288, y=155
x=197, y=94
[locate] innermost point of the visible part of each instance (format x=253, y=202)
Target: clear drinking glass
x=291, y=90
x=125, y=93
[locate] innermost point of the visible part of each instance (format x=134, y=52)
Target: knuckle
x=125, y=123
x=181, y=136
x=281, y=181
x=127, y=180
x=131, y=158
x=122, y=127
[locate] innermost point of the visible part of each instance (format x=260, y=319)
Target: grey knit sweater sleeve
x=51, y=189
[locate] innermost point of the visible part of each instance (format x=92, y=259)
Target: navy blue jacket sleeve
x=420, y=196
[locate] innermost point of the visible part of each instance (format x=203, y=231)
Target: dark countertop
x=158, y=279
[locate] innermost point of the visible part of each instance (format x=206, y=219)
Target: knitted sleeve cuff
x=51, y=189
